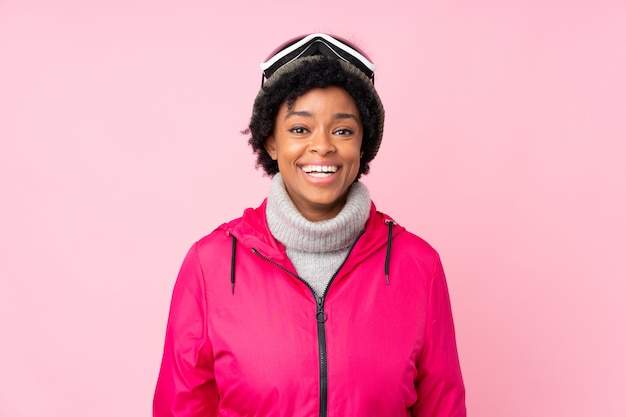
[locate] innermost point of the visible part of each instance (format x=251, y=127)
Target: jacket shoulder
x=247, y=230
x=409, y=243
x=417, y=243
x=217, y=239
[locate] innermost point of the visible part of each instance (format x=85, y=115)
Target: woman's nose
x=322, y=143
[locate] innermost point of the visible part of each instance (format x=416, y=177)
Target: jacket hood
x=252, y=232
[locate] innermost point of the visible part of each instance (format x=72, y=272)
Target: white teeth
x=312, y=169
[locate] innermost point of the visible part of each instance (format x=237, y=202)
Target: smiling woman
x=314, y=303
x=317, y=144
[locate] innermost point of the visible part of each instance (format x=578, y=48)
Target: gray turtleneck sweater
x=316, y=249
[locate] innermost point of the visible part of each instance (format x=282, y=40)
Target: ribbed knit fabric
x=316, y=249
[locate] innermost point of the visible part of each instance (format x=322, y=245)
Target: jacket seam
x=427, y=327
x=203, y=286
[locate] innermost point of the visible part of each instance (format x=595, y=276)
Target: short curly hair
x=297, y=78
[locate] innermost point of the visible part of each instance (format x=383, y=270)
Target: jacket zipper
x=320, y=316
x=323, y=360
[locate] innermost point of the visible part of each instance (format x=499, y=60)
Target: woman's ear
x=270, y=146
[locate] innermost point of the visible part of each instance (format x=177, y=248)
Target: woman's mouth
x=320, y=171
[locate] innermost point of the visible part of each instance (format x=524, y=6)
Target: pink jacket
x=247, y=337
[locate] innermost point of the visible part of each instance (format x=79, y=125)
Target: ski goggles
x=317, y=44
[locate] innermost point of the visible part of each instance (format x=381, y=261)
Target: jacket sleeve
x=439, y=385
x=186, y=385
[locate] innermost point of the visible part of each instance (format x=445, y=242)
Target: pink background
x=504, y=148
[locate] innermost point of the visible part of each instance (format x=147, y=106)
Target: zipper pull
x=321, y=314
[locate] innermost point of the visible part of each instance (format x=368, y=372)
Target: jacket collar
x=252, y=232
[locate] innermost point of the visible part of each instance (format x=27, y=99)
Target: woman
x=314, y=303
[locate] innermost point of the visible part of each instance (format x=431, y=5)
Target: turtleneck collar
x=296, y=232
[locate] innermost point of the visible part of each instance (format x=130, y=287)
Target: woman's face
x=317, y=144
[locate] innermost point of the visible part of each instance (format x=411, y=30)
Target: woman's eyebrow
x=345, y=116
x=302, y=113
x=305, y=113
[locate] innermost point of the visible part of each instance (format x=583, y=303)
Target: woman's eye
x=297, y=130
x=343, y=132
